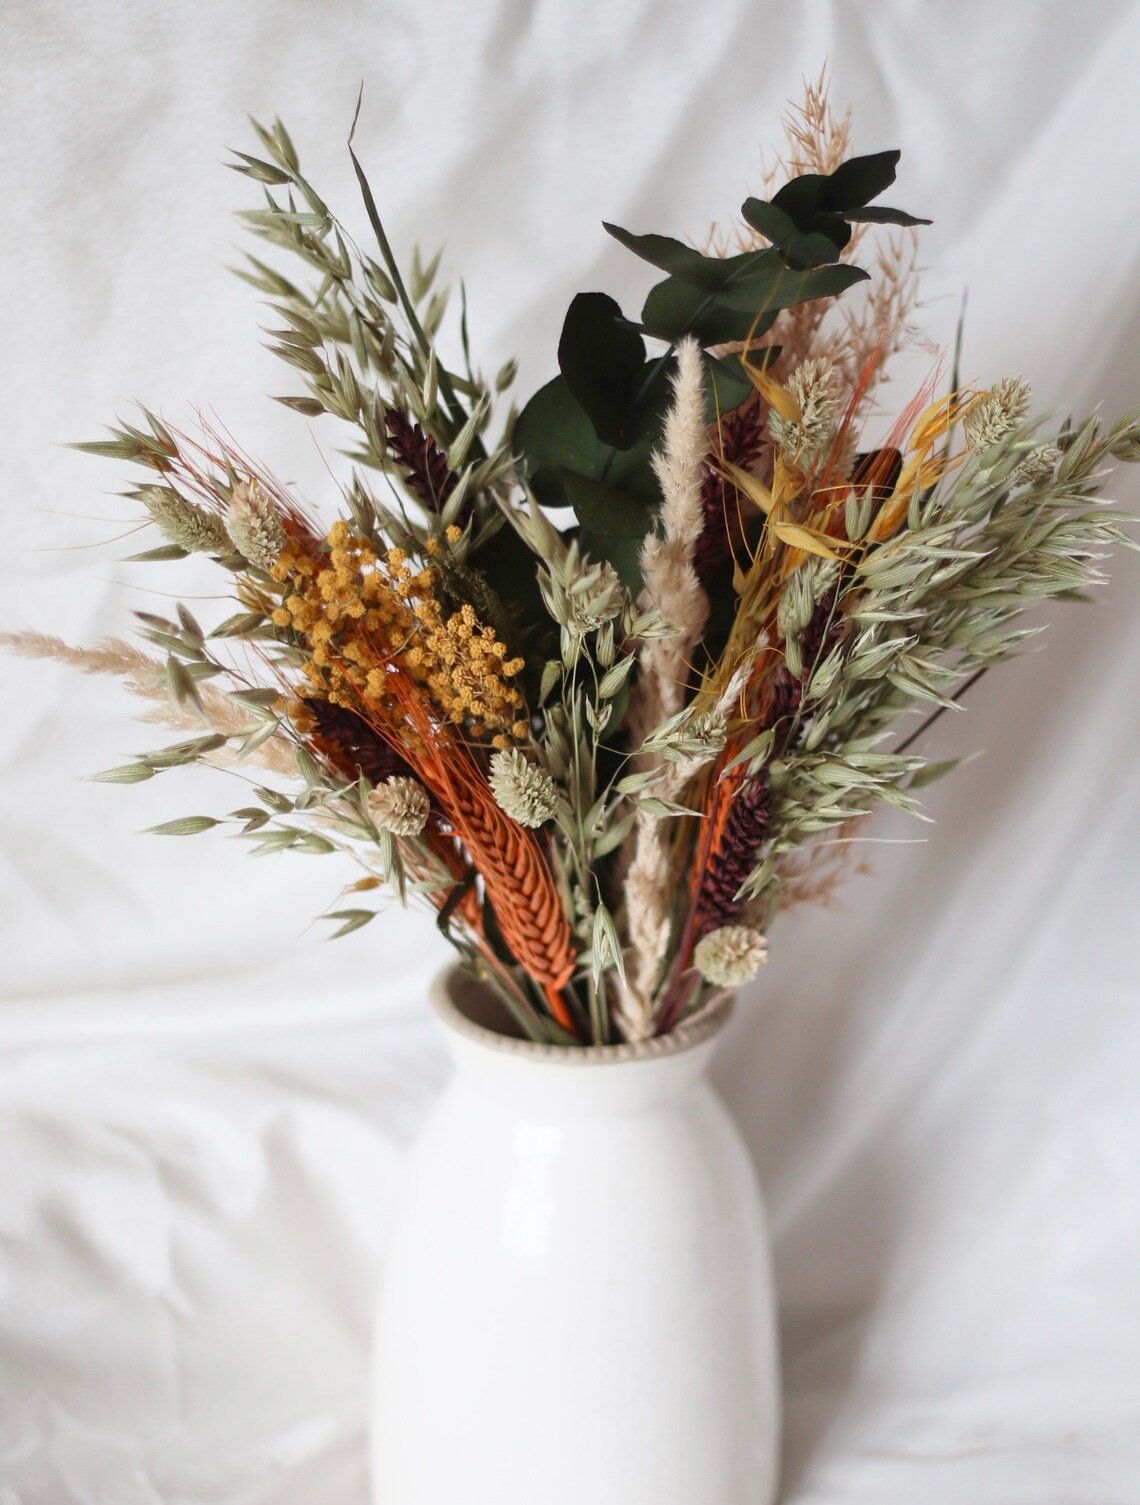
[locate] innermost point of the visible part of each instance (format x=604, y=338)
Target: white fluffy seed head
x=253, y=524
x=400, y=805
x=185, y=523
x=996, y=413
x=730, y=956
x=815, y=386
x=521, y=788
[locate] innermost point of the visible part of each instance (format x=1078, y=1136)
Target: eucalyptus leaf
x=675, y=308
x=623, y=553
x=602, y=359
x=605, y=510
x=705, y=272
x=879, y=214
x=771, y=221
x=553, y=432
x=727, y=384
x=857, y=181
x=778, y=286
x=809, y=220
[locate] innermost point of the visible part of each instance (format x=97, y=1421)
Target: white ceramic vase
x=577, y=1304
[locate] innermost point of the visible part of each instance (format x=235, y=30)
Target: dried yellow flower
x=359, y=613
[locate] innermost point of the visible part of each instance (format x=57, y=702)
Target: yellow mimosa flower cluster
x=358, y=612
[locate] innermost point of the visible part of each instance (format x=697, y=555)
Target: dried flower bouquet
x=603, y=689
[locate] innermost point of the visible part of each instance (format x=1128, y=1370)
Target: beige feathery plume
x=649, y=883
x=671, y=582
x=146, y=677
x=648, y=925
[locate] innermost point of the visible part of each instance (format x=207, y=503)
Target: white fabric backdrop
x=203, y=1107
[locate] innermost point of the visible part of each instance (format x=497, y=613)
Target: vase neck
x=566, y=1088
x=563, y=1082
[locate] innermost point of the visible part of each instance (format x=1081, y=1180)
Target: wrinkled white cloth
x=204, y=1107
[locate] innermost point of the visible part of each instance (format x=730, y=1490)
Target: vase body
x=577, y=1303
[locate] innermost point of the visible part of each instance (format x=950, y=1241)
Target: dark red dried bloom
x=741, y=441
x=735, y=856
x=746, y=826
x=420, y=458
x=346, y=741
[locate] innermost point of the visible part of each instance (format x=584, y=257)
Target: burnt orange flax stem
x=346, y=741
x=718, y=803
x=520, y=886
x=558, y=1009
x=510, y=858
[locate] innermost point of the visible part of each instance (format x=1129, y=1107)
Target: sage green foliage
x=934, y=607
x=363, y=342
x=917, y=616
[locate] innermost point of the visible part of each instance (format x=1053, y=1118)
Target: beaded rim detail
x=448, y=983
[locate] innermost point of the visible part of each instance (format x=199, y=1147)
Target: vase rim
x=450, y=980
